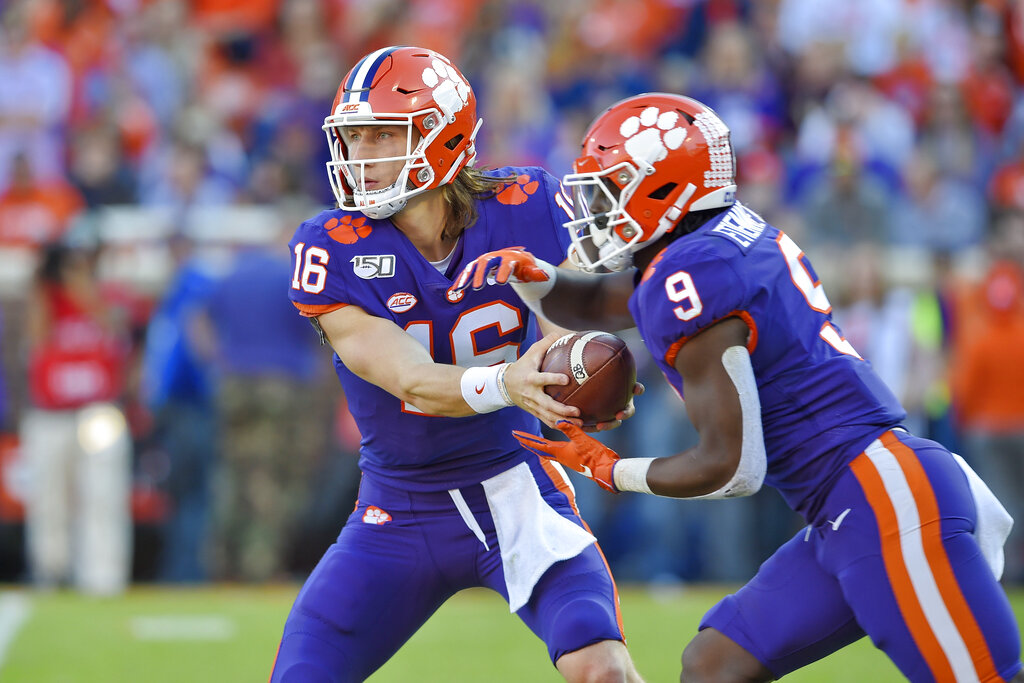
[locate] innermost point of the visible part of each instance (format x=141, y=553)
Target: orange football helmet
x=646, y=162
x=402, y=86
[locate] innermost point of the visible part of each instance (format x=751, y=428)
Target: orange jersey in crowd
x=989, y=369
x=38, y=214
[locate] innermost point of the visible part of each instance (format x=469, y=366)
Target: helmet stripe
x=363, y=74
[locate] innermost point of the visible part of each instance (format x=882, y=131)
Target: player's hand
x=525, y=384
x=512, y=264
x=624, y=414
x=581, y=453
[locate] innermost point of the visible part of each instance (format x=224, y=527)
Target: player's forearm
x=582, y=301
x=442, y=390
x=380, y=352
x=730, y=460
x=434, y=388
x=694, y=473
x=452, y=391
x=688, y=474
x=427, y=387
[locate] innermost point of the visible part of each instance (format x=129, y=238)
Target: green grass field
x=225, y=634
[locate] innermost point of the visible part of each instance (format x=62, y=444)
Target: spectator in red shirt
x=74, y=437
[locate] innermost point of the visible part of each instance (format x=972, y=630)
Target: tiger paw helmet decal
x=451, y=91
x=650, y=135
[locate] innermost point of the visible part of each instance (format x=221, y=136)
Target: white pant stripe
x=921, y=577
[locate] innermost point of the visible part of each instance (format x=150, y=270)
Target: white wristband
x=630, y=474
x=484, y=388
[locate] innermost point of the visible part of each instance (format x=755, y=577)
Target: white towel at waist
x=532, y=536
x=994, y=522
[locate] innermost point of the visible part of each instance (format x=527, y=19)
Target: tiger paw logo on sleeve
x=519, y=191
x=348, y=230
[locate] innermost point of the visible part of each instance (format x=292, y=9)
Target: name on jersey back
x=740, y=225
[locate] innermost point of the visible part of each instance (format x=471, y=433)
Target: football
x=601, y=373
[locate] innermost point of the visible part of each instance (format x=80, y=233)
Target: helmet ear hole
x=663, y=191
x=454, y=141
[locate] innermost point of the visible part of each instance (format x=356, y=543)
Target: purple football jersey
x=821, y=403
x=343, y=257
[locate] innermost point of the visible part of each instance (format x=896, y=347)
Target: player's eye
x=612, y=188
x=601, y=201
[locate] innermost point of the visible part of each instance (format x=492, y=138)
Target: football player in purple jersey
x=436, y=382
x=903, y=541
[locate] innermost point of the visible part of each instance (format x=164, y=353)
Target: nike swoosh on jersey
x=586, y=472
x=480, y=389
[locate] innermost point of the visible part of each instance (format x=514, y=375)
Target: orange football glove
x=513, y=263
x=581, y=453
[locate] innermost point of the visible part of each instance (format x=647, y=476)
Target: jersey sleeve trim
x=673, y=350
x=313, y=310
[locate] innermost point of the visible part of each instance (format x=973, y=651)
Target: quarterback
x=437, y=381
x=903, y=541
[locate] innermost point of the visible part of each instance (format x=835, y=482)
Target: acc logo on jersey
x=372, y=266
x=400, y=302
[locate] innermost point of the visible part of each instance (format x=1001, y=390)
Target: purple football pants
x=891, y=556
x=402, y=554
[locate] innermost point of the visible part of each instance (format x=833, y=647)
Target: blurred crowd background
x=166, y=416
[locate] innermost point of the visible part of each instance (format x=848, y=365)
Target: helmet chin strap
x=619, y=262
x=378, y=204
